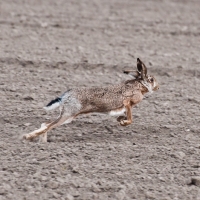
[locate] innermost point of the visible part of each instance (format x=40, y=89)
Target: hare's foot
x=120, y=118
x=125, y=122
x=42, y=130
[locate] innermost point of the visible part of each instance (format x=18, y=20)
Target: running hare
x=117, y=100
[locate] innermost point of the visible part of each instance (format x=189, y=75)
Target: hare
x=117, y=100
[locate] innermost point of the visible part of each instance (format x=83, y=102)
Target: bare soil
x=49, y=46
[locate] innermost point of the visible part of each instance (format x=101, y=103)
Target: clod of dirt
x=52, y=185
x=109, y=129
x=180, y=155
x=75, y=170
x=2, y=191
x=169, y=126
x=195, y=181
x=44, y=24
x=28, y=98
x=69, y=197
x=56, y=195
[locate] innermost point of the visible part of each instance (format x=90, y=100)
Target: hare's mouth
x=156, y=88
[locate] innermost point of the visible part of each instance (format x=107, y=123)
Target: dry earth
x=49, y=46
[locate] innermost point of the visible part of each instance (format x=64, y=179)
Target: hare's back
x=101, y=99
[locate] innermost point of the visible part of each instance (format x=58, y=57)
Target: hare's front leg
x=128, y=119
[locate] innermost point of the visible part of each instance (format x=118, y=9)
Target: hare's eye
x=151, y=79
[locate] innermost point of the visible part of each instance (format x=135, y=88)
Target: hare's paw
x=120, y=118
x=125, y=122
x=27, y=137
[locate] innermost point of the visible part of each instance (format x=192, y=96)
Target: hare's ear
x=141, y=68
x=133, y=73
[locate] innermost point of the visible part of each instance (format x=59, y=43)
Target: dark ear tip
x=138, y=59
x=125, y=72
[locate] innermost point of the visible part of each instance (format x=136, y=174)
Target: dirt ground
x=48, y=46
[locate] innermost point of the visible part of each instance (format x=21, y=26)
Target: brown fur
x=101, y=99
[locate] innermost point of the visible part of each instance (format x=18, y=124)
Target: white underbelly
x=117, y=112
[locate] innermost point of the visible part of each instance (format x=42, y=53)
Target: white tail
x=53, y=104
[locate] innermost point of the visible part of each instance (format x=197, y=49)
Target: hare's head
x=148, y=81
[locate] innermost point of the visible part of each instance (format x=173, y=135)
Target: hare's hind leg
x=43, y=136
x=42, y=132
x=45, y=127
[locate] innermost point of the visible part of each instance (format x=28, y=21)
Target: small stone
x=2, y=191
x=52, y=185
x=44, y=24
x=169, y=126
x=75, y=170
x=43, y=178
x=161, y=179
x=79, y=135
x=121, y=194
x=95, y=188
x=27, y=188
x=53, y=171
x=111, y=148
x=69, y=197
x=62, y=161
x=172, y=134
x=150, y=195
x=179, y=155
x=60, y=180
x=27, y=124
x=189, y=136
x=56, y=195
